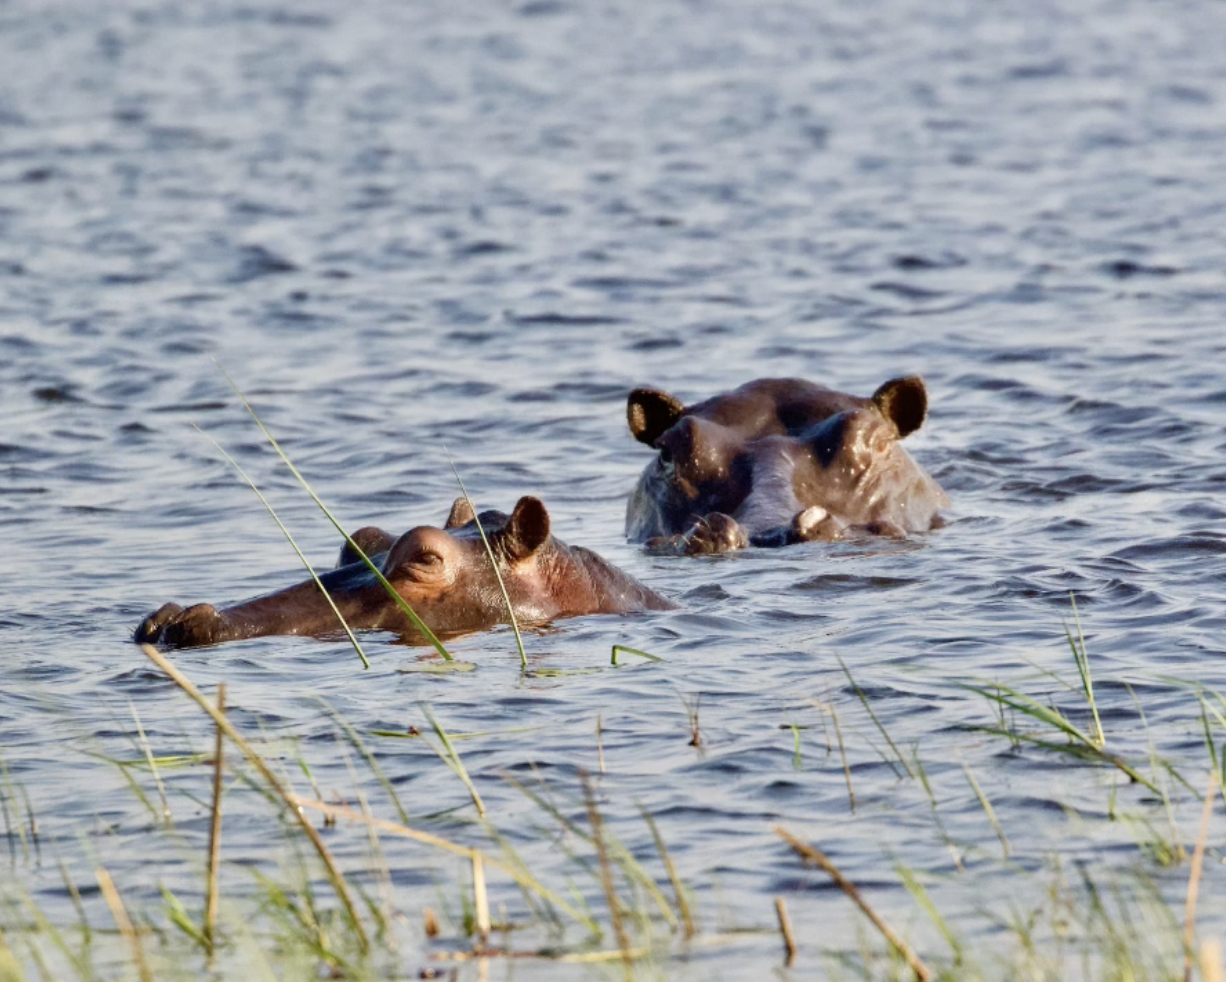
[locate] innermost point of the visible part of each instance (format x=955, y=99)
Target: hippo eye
x=427, y=558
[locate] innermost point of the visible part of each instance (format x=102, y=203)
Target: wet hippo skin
x=444, y=574
x=779, y=461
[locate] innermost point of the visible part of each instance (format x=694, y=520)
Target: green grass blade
x=1081, y=657
x=452, y=759
x=632, y=651
x=987, y=807
x=920, y=894
x=489, y=551
x=378, y=573
x=864, y=699
x=284, y=531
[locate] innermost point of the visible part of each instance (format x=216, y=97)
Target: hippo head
x=772, y=448
x=445, y=574
x=699, y=466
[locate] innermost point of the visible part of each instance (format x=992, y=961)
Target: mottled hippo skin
x=778, y=461
x=444, y=574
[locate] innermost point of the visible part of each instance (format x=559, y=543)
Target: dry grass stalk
x=481, y=899
x=785, y=928
x=214, y=872
x=1198, y=858
x=687, y=919
x=691, y=710
x=338, y=882
x=123, y=922
x=600, y=743
x=820, y=859
x=606, y=874
x=838, y=732
x=1211, y=962
x=429, y=922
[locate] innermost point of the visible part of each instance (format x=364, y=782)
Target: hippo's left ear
x=461, y=514
x=526, y=530
x=904, y=401
x=650, y=412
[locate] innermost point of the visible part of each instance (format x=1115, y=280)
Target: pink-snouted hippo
x=779, y=461
x=444, y=574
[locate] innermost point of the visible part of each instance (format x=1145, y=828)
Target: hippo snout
x=174, y=626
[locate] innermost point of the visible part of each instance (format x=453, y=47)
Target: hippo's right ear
x=526, y=530
x=650, y=413
x=461, y=514
x=904, y=401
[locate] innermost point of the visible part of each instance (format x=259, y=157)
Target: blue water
x=414, y=230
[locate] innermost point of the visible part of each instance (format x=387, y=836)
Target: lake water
x=414, y=230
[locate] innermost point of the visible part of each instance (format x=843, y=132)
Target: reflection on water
x=413, y=230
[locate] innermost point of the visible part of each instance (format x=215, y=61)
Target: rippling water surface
x=409, y=230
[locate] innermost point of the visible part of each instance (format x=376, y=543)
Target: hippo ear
x=526, y=530
x=461, y=514
x=904, y=401
x=650, y=412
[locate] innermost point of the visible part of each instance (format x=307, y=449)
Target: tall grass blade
x=917, y=890
x=123, y=922
x=489, y=551
x=606, y=877
x=785, y=928
x=481, y=903
x=10, y=967
x=180, y=918
x=683, y=905
x=600, y=743
x=148, y=752
x=452, y=759
x=864, y=699
x=212, y=889
x=1198, y=858
x=1211, y=965
x=378, y=573
x=1083, y=669
x=987, y=807
x=290, y=539
x=7, y=789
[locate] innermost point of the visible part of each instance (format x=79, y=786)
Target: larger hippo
x=778, y=461
x=444, y=574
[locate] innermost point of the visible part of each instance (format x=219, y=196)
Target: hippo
x=444, y=574
x=778, y=461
